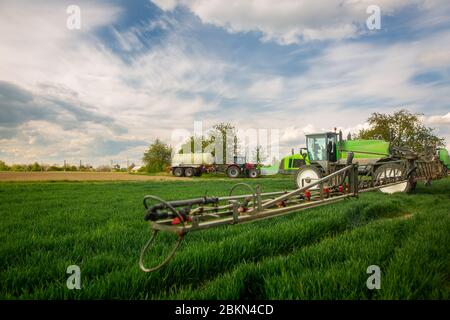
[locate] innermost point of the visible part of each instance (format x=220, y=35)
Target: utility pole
x=64, y=165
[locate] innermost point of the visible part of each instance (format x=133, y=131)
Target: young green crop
x=317, y=253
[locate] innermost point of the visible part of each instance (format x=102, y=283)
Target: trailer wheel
x=253, y=173
x=306, y=175
x=390, y=170
x=178, y=172
x=233, y=172
x=189, y=172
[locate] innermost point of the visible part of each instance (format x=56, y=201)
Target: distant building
x=136, y=168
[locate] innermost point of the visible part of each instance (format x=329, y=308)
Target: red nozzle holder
x=308, y=195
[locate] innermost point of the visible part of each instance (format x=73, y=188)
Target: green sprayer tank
x=444, y=157
x=363, y=150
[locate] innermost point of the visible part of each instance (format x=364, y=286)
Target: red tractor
x=241, y=167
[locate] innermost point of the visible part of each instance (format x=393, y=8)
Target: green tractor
x=445, y=159
x=327, y=152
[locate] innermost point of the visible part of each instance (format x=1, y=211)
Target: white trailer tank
x=192, y=159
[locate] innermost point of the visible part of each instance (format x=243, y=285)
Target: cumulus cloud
x=292, y=22
x=437, y=119
x=18, y=105
x=70, y=84
x=68, y=95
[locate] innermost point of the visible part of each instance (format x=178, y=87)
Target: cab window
x=317, y=148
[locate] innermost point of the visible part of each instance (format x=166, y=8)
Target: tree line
x=36, y=167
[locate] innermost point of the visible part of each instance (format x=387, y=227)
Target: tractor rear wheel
x=178, y=172
x=189, y=172
x=391, y=170
x=233, y=172
x=307, y=175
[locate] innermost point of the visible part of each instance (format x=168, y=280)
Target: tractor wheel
x=390, y=170
x=189, y=172
x=253, y=173
x=306, y=175
x=233, y=172
x=178, y=172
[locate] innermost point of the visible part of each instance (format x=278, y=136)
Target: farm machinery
x=327, y=152
x=195, y=164
x=331, y=170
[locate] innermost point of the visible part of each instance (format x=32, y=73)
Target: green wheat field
x=321, y=253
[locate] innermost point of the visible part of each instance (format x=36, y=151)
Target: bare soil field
x=80, y=176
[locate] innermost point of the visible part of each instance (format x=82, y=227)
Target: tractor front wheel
x=253, y=173
x=307, y=175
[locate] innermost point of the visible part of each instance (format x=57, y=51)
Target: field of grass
x=9, y=176
x=321, y=253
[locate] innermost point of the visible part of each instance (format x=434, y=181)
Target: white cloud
x=179, y=81
x=166, y=4
x=437, y=119
x=291, y=21
x=267, y=89
x=48, y=61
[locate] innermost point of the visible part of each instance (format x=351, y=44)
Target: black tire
x=444, y=170
x=178, y=172
x=233, y=172
x=317, y=174
x=189, y=172
x=393, y=170
x=253, y=173
x=198, y=173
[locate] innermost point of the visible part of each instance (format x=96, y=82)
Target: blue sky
x=137, y=70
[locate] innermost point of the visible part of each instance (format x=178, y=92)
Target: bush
x=4, y=166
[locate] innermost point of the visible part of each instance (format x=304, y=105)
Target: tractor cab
x=321, y=147
x=239, y=159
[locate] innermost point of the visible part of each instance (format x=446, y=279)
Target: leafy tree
x=18, y=167
x=157, y=157
x=218, y=134
x=55, y=168
x=221, y=133
x=190, y=144
x=35, y=167
x=259, y=154
x=403, y=129
x=4, y=166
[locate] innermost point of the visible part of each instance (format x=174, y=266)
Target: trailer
x=195, y=164
x=181, y=217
